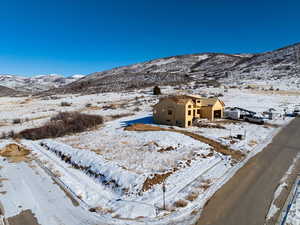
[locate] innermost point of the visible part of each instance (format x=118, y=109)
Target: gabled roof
x=193, y=96
x=184, y=99
x=179, y=99
x=210, y=101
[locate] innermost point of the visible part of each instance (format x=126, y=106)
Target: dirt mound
x=14, y=152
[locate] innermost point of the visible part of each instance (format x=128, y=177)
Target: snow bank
x=95, y=164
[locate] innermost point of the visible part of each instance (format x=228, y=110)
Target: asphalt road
x=246, y=197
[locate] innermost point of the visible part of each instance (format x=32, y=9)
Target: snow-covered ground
x=293, y=215
x=113, y=165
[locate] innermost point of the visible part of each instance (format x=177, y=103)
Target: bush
x=16, y=121
x=156, y=90
x=118, y=116
x=180, y=203
x=62, y=124
x=136, y=109
x=65, y=104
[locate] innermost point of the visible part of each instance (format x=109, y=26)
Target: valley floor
x=115, y=176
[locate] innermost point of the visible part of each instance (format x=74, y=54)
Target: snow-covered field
x=119, y=173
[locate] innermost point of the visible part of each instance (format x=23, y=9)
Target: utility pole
x=164, y=195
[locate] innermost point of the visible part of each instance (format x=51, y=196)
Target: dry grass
x=62, y=124
x=252, y=143
x=204, y=185
x=101, y=209
x=121, y=115
x=180, y=203
x=155, y=179
x=167, y=149
x=225, y=150
x=267, y=125
x=280, y=92
x=192, y=196
x=27, y=100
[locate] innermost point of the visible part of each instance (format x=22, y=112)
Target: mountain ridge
x=36, y=83
x=172, y=70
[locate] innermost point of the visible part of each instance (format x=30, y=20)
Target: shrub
x=118, y=116
x=16, y=121
x=62, y=124
x=65, y=104
x=156, y=90
x=136, y=109
x=192, y=196
x=180, y=203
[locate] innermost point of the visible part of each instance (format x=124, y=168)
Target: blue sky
x=84, y=36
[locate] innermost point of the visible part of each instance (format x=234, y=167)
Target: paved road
x=246, y=198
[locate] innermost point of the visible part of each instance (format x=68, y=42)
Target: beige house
x=182, y=110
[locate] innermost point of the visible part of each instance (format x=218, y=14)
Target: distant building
x=183, y=109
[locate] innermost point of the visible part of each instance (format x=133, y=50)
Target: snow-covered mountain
x=203, y=67
x=36, y=83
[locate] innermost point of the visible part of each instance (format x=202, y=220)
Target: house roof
x=184, y=99
x=210, y=101
x=193, y=96
x=180, y=99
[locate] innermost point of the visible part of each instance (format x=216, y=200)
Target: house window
x=198, y=111
x=169, y=112
x=189, y=123
x=168, y=121
x=190, y=112
x=198, y=101
x=189, y=106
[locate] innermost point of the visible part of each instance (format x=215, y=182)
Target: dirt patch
x=225, y=150
x=145, y=127
x=14, y=152
x=24, y=217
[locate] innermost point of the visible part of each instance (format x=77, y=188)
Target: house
x=183, y=109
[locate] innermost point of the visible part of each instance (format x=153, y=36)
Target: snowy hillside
x=37, y=83
x=204, y=67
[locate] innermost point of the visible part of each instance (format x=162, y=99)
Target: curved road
x=246, y=197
